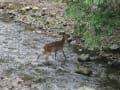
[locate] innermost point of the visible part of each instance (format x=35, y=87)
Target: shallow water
x=19, y=49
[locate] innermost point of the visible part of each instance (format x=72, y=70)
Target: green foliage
x=93, y=18
x=91, y=39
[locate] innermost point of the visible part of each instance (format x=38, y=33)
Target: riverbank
x=33, y=25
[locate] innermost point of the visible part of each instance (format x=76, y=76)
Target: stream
x=19, y=49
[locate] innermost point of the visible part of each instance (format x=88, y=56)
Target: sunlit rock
x=86, y=88
x=83, y=57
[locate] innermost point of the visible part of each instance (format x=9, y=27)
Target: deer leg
x=64, y=55
x=55, y=54
x=38, y=57
x=46, y=57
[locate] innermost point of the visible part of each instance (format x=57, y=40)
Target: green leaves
x=91, y=40
x=97, y=2
x=98, y=16
x=72, y=10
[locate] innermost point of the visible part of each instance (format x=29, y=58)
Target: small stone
x=94, y=57
x=73, y=42
x=35, y=8
x=17, y=81
x=1, y=78
x=69, y=40
x=26, y=8
x=2, y=6
x=114, y=47
x=51, y=63
x=65, y=24
x=84, y=71
x=53, y=14
x=91, y=49
x=61, y=32
x=54, y=34
x=84, y=57
x=86, y=88
x=38, y=31
x=60, y=69
x=44, y=9
x=80, y=50
x=5, y=88
x=43, y=13
x=49, y=20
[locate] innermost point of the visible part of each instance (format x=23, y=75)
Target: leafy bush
x=93, y=18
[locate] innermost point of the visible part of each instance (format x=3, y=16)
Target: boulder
x=73, y=42
x=95, y=57
x=86, y=88
x=83, y=57
x=35, y=8
x=2, y=6
x=27, y=8
x=84, y=70
x=70, y=40
x=114, y=47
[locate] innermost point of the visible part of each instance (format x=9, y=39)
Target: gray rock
x=70, y=39
x=114, y=47
x=44, y=9
x=26, y=8
x=73, y=42
x=2, y=6
x=35, y=8
x=86, y=88
x=84, y=71
x=44, y=12
x=51, y=63
x=94, y=57
x=80, y=50
x=84, y=57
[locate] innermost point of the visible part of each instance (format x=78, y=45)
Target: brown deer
x=54, y=47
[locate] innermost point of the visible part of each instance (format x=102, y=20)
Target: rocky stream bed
x=20, y=44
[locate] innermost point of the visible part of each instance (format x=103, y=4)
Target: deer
x=54, y=47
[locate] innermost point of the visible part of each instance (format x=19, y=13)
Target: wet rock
x=35, y=8
x=1, y=11
x=83, y=57
x=44, y=9
x=114, y=47
x=115, y=63
x=4, y=88
x=80, y=50
x=53, y=13
x=2, y=6
x=12, y=14
x=49, y=20
x=49, y=86
x=40, y=80
x=84, y=71
x=70, y=40
x=60, y=70
x=17, y=81
x=73, y=42
x=27, y=8
x=44, y=12
x=95, y=57
x=61, y=32
x=91, y=49
x=1, y=78
x=64, y=24
x=86, y=88
x=51, y=63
